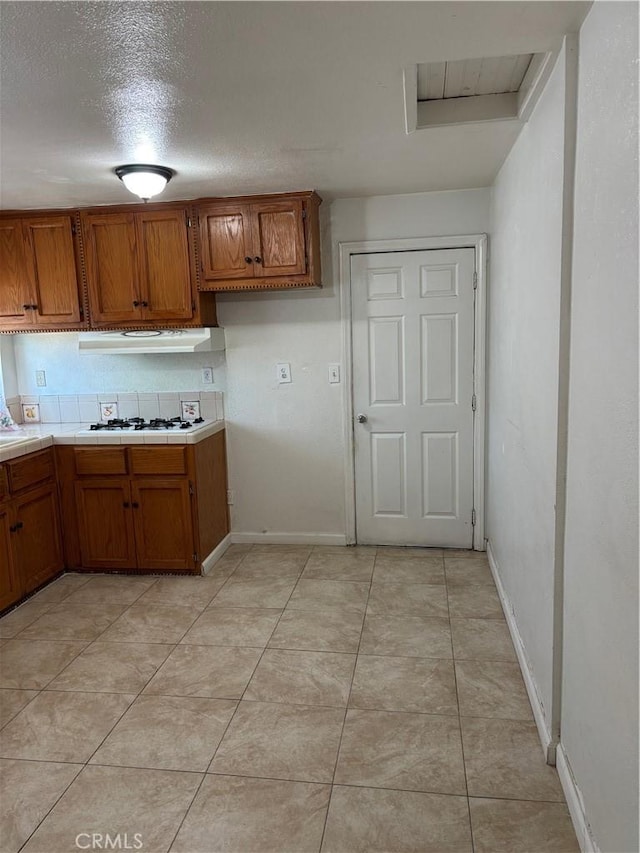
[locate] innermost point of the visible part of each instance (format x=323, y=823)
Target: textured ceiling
x=245, y=97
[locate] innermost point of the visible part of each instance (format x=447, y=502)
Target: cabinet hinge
x=188, y=221
x=473, y=402
x=473, y=518
x=73, y=229
x=304, y=213
x=475, y=280
x=192, y=491
x=194, y=557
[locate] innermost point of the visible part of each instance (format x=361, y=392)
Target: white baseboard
x=288, y=538
x=575, y=803
x=532, y=690
x=211, y=559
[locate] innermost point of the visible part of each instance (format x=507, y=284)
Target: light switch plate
x=284, y=372
x=334, y=374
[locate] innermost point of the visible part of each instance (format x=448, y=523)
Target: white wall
x=523, y=339
x=600, y=689
x=8, y=373
x=286, y=449
x=70, y=372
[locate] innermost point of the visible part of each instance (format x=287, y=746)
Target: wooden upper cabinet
x=50, y=248
x=138, y=267
x=15, y=297
x=278, y=238
x=225, y=241
x=165, y=270
x=112, y=268
x=260, y=242
x=39, y=278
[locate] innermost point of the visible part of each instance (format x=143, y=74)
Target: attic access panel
x=462, y=91
x=464, y=78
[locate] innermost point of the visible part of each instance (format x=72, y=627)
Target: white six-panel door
x=413, y=344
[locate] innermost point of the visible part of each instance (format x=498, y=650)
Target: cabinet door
x=105, y=525
x=15, y=282
x=163, y=524
x=112, y=268
x=278, y=238
x=49, y=242
x=10, y=590
x=37, y=542
x=165, y=271
x=225, y=241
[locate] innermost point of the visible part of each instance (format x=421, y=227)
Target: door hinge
x=473, y=402
x=473, y=518
x=192, y=491
x=475, y=280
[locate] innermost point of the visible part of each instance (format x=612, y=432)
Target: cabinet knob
x=145, y=304
x=35, y=307
x=135, y=303
x=27, y=307
x=248, y=260
x=258, y=259
x=126, y=504
x=135, y=505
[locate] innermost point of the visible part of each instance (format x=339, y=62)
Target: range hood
x=151, y=341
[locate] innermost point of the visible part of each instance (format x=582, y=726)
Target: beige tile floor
x=297, y=699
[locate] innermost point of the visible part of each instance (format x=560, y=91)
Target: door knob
x=362, y=419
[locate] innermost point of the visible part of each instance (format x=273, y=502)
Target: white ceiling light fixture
x=144, y=180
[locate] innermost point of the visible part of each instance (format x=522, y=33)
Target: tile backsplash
x=88, y=408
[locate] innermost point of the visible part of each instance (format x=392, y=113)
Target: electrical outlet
x=284, y=372
x=41, y=379
x=334, y=374
x=230, y=497
x=207, y=375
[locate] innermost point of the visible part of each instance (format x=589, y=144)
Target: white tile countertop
x=38, y=436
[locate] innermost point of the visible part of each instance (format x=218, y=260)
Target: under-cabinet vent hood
x=151, y=341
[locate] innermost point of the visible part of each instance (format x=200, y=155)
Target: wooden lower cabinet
x=30, y=540
x=37, y=541
x=155, y=508
x=105, y=524
x=9, y=587
x=163, y=521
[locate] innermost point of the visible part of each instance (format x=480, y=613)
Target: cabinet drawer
x=100, y=460
x=30, y=470
x=158, y=460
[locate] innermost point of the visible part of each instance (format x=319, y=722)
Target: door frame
x=478, y=242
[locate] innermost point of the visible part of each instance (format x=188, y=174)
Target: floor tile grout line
x=231, y=718
x=464, y=763
x=264, y=650
x=344, y=721
x=20, y=710
x=62, y=793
